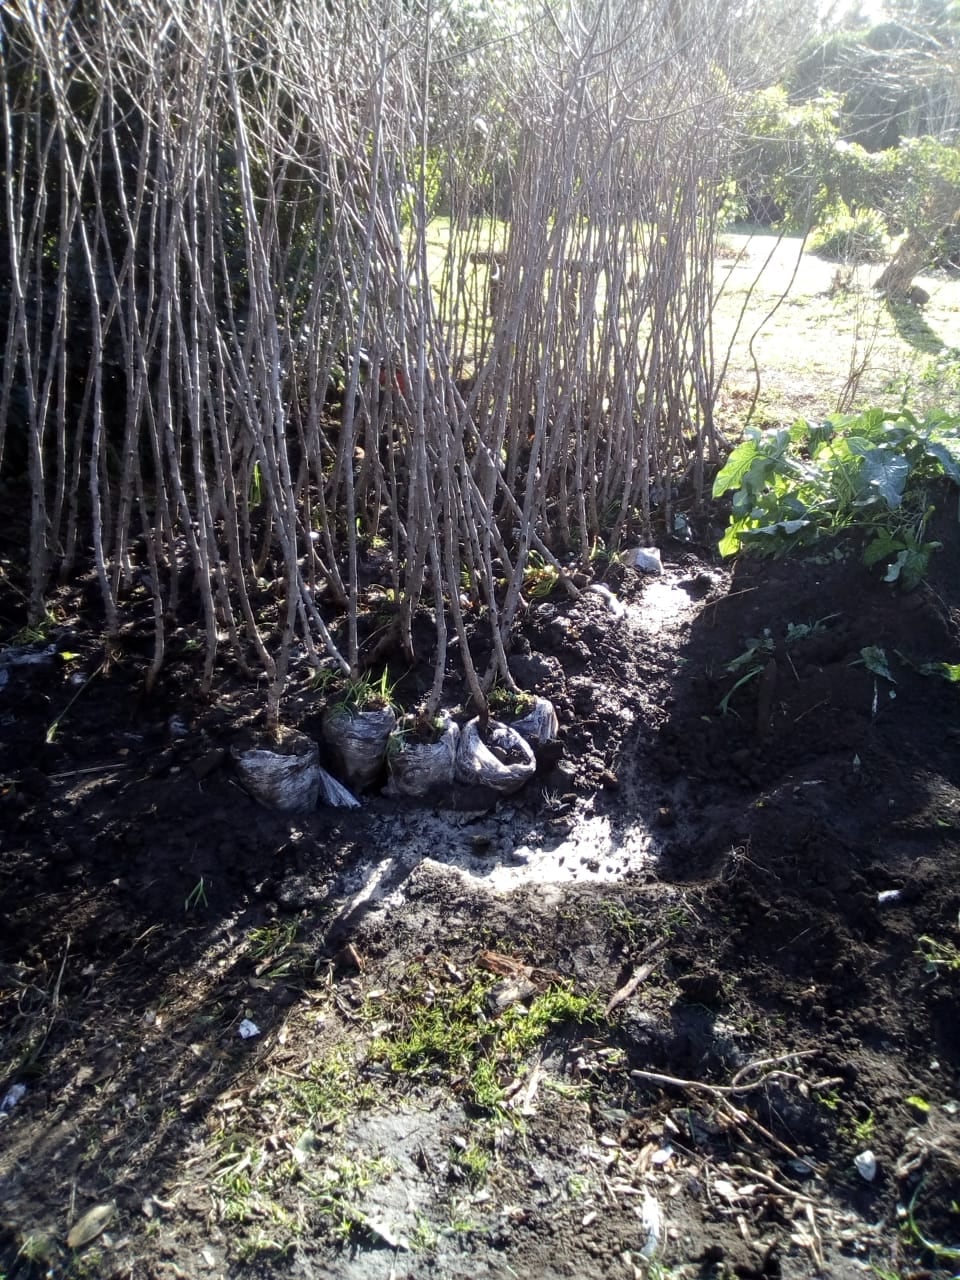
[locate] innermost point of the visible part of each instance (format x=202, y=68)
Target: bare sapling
x=302, y=294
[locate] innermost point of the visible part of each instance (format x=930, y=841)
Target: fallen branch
x=723, y=1094
x=640, y=974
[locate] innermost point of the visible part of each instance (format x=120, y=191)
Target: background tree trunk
x=919, y=246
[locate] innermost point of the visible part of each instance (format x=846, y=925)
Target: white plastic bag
x=646, y=559
x=288, y=781
x=483, y=765
x=335, y=794
x=359, y=741
x=540, y=723
x=418, y=767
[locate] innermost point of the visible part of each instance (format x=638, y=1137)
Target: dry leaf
x=90, y=1225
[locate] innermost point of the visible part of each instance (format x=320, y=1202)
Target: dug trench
x=687, y=1005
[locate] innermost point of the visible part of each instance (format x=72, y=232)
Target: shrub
x=853, y=237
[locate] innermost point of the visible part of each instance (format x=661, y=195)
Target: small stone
x=866, y=1163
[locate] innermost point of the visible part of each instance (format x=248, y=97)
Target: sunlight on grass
x=816, y=334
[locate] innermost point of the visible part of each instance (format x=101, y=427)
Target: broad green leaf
x=886, y=474
x=800, y=431
x=731, y=474
x=910, y=566
x=787, y=527
x=909, y=417
x=870, y=423
x=884, y=545
x=949, y=458
x=729, y=544
x=895, y=569
x=875, y=660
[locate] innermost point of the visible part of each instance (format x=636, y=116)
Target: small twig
x=723, y=600
x=817, y=1243
x=640, y=974
x=743, y=1117
x=54, y=1006
x=628, y=988
x=816, y=705
x=721, y=1090
x=608, y=1189
x=723, y=1094
x=54, y=727
x=774, y=1185
x=93, y=768
x=760, y=1063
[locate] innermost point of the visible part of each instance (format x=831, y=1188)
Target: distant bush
x=853, y=237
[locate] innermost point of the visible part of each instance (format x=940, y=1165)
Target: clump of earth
x=686, y=1005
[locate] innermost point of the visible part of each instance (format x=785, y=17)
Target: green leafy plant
x=269, y=940
x=197, y=897
x=36, y=634
x=875, y=660
x=863, y=1131
x=949, y=671
x=942, y=1253
x=539, y=578
x=941, y=957
x=797, y=631
x=852, y=237
x=367, y=694
x=326, y=681
x=747, y=665
x=509, y=703
x=622, y=924
x=273, y=946
x=473, y=1160
x=750, y=663
x=793, y=486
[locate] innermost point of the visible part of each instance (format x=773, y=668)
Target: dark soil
x=764, y=900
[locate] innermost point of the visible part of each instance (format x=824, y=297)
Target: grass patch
x=773, y=305
x=446, y=1031
x=282, y=1170
x=322, y=1096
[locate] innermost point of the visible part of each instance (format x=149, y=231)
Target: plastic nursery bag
x=539, y=725
x=504, y=765
x=418, y=767
x=359, y=741
x=288, y=781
